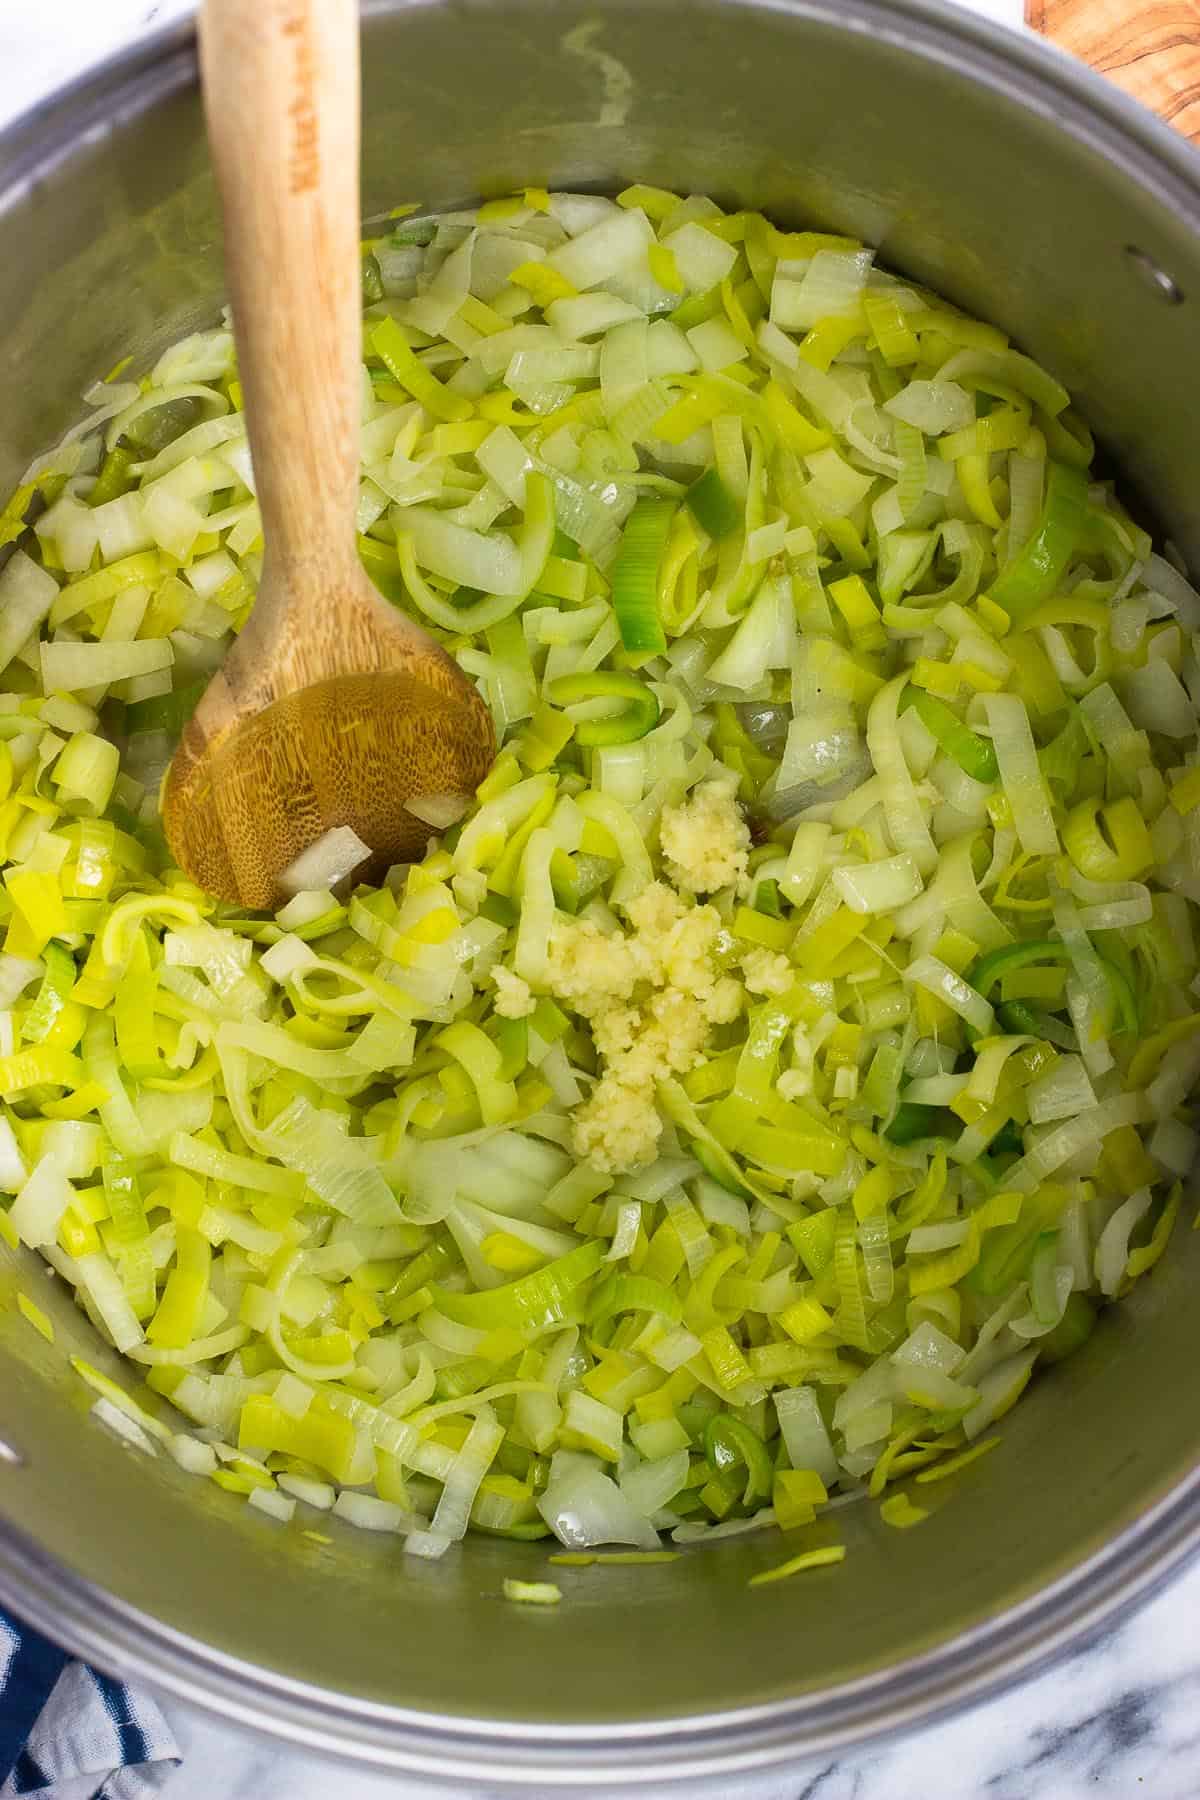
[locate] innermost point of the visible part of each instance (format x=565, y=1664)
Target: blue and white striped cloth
x=69, y=1733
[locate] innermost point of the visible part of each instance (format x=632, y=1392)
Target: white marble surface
x=1113, y=1722
x=1118, y=1719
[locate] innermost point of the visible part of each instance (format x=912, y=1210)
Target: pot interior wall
x=1012, y=209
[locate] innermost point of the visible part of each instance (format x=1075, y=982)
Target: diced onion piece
x=582, y=1507
x=369, y=1512
x=27, y=592
x=335, y=856
x=122, y=1425
x=702, y=258
x=1158, y=701
x=272, y=1502
x=438, y=810
x=1085, y=1132
x=1112, y=1252
x=934, y=407
x=1175, y=1146
x=932, y=974
x=41, y=1203
x=880, y=886
x=430, y=1544
x=1061, y=1092
x=804, y=1433
x=194, y=1457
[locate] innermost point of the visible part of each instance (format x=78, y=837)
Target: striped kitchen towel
x=69, y=1733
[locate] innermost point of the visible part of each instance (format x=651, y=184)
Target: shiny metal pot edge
x=981, y=1660
x=978, y=1664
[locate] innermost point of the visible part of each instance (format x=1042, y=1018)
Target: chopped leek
x=787, y=1048
x=532, y=1593
x=1038, y=567
x=796, y=1565
x=715, y=509
x=635, y=576
x=973, y=754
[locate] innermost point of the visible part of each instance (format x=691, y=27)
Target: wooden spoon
x=1151, y=51
x=332, y=708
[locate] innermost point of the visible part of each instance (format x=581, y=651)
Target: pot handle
x=1153, y=52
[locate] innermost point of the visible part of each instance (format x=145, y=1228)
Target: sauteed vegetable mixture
x=786, y=1049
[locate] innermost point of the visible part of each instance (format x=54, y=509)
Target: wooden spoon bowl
x=346, y=749
x=332, y=707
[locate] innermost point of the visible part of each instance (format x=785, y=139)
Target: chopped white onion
x=438, y=810
x=335, y=855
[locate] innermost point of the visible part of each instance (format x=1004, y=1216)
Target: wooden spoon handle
x=281, y=91
x=1152, y=50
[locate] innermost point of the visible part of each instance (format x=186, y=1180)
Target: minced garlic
x=705, y=840
x=514, y=999
x=767, y=972
x=651, y=997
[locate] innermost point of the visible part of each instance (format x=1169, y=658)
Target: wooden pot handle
x=1151, y=48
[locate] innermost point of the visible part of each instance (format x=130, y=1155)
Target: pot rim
x=981, y=1662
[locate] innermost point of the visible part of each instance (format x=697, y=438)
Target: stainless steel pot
x=1032, y=194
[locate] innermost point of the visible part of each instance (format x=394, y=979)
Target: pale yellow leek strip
x=906, y=820
x=1020, y=774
